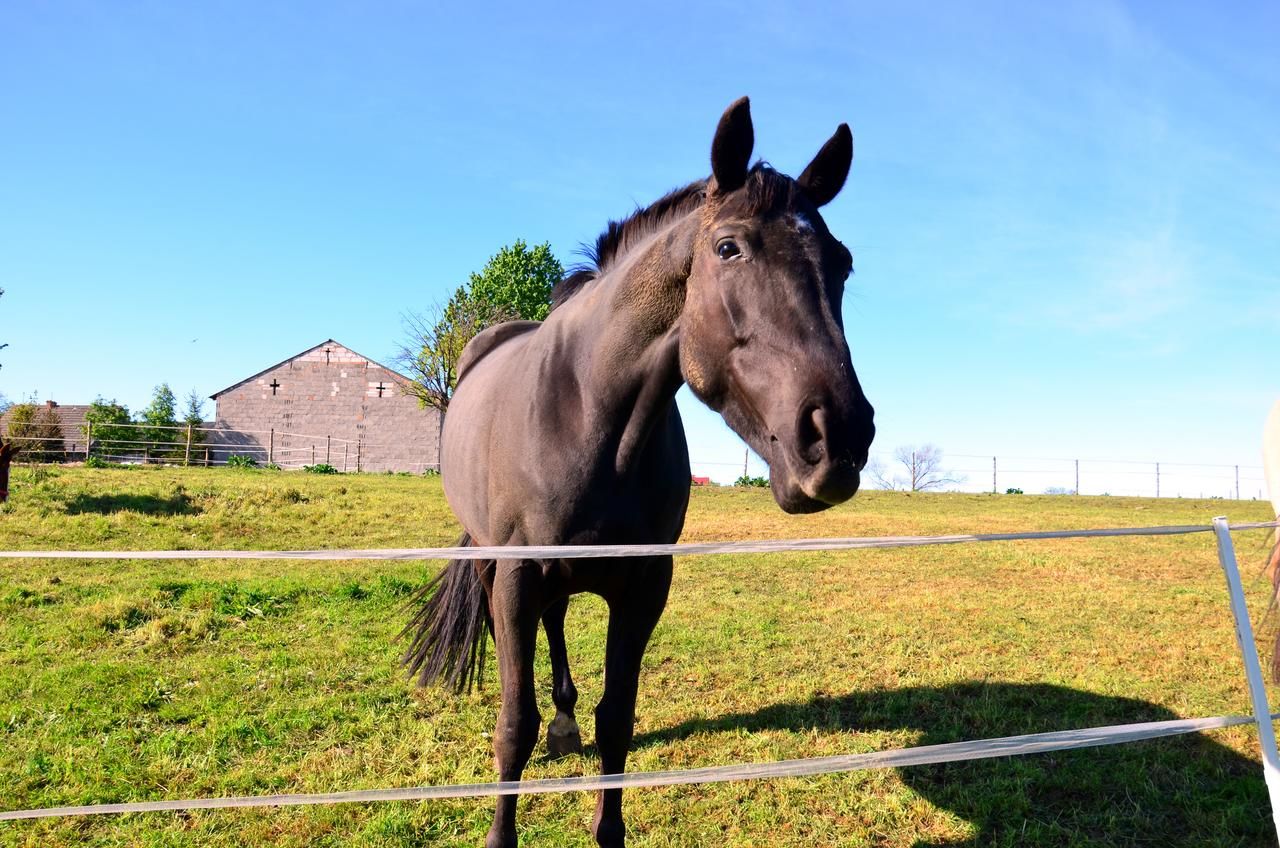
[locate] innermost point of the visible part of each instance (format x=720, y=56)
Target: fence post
x=186, y=459
x=88, y=439
x=1077, y=476
x=327, y=444
x=1237, y=482
x=313, y=454
x=359, y=453
x=994, y=488
x=1157, y=479
x=346, y=446
x=271, y=447
x=1252, y=668
x=206, y=456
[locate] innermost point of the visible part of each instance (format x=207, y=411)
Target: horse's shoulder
x=486, y=340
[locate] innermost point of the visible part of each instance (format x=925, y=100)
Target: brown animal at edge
x=8, y=451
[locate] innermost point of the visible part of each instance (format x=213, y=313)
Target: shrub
x=321, y=468
x=744, y=480
x=37, y=430
x=239, y=460
x=1013, y=491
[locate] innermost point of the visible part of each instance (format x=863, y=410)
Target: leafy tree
x=160, y=417
x=37, y=431
x=193, y=417
x=517, y=277
x=107, y=424
x=515, y=283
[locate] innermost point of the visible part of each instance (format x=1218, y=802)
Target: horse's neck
x=627, y=339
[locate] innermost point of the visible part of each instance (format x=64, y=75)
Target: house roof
x=300, y=355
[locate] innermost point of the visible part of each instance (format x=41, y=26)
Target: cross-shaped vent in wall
x=381, y=388
x=275, y=384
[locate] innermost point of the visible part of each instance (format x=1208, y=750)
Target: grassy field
x=126, y=681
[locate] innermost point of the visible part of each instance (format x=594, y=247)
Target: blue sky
x=1064, y=220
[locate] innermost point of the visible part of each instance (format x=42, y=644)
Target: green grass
x=128, y=681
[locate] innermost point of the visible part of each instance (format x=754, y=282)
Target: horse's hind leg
x=516, y=604
x=563, y=737
x=633, y=613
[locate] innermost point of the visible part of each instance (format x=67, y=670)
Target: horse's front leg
x=516, y=603
x=563, y=737
x=633, y=613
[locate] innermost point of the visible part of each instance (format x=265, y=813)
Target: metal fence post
x=994, y=488
x=327, y=444
x=1077, y=476
x=271, y=447
x=1252, y=668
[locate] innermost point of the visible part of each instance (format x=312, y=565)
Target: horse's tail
x=450, y=630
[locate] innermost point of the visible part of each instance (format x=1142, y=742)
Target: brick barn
x=326, y=404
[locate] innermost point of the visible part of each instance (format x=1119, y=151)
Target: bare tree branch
x=923, y=467
x=434, y=344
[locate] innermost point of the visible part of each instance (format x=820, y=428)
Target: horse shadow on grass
x=1178, y=791
x=175, y=504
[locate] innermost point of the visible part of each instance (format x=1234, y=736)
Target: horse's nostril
x=811, y=433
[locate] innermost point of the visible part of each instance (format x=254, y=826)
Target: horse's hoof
x=563, y=737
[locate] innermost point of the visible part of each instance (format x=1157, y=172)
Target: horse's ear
x=731, y=148
x=826, y=174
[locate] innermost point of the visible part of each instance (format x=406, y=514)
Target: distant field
x=127, y=681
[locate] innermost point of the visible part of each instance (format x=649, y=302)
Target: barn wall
x=318, y=396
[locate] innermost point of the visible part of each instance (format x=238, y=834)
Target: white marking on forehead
x=802, y=223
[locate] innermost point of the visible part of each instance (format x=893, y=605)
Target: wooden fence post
x=359, y=453
x=88, y=439
x=186, y=459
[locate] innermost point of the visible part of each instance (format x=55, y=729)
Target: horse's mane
x=765, y=187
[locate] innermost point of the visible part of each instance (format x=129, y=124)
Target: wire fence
x=215, y=445
x=1262, y=716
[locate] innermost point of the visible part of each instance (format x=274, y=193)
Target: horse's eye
x=727, y=249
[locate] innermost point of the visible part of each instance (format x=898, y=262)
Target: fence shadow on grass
x=1179, y=791
x=175, y=504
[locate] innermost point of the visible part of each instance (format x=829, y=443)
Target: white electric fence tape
x=951, y=752
x=613, y=551
x=929, y=754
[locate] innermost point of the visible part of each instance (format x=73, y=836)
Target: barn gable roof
x=317, y=349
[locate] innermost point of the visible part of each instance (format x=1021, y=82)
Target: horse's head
x=761, y=335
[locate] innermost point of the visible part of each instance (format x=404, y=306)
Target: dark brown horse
x=566, y=431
